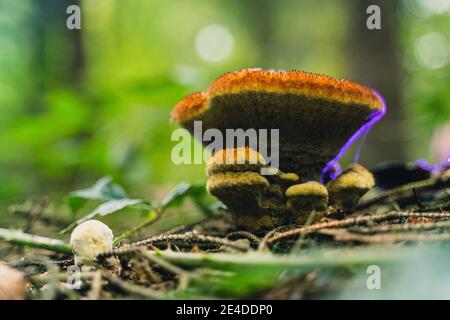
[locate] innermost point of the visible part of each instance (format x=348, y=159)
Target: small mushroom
x=12, y=284
x=235, y=160
x=348, y=188
x=232, y=179
x=89, y=239
x=305, y=198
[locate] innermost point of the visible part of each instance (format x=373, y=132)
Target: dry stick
x=244, y=234
x=263, y=244
x=52, y=273
x=345, y=235
x=352, y=221
x=299, y=242
x=183, y=275
x=402, y=227
x=188, y=238
x=441, y=205
x=134, y=289
x=96, y=286
x=62, y=276
x=407, y=190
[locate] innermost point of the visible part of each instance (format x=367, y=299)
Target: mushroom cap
x=230, y=181
x=89, y=239
x=307, y=189
x=356, y=177
x=303, y=198
x=235, y=160
x=316, y=114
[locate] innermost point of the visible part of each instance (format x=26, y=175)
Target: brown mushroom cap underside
x=315, y=114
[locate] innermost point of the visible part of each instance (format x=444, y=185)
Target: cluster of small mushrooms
x=316, y=116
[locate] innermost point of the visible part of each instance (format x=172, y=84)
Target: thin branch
x=188, y=239
x=345, y=235
x=353, y=221
x=402, y=227
x=96, y=286
x=26, y=239
x=409, y=190
x=134, y=289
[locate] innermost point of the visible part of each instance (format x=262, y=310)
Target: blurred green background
x=76, y=105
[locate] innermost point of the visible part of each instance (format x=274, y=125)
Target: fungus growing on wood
x=234, y=180
x=318, y=118
x=305, y=198
x=346, y=190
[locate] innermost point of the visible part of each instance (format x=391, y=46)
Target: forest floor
x=395, y=245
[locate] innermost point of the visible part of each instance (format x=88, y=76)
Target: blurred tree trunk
x=50, y=23
x=374, y=62
x=261, y=25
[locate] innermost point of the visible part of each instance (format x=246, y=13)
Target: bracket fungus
x=318, y=118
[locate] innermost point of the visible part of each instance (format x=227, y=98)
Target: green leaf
x=176, y=196
x=105, y=209
x=104, y=189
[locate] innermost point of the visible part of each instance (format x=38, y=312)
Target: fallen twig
x=26, y=239
x=345, y=235
x=402, y=227
x=409, y=190
x=188, y=239
x=353, y=221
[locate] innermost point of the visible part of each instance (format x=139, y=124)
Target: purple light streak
x=373, y=118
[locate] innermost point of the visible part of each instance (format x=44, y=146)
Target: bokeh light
x=214, y=43
x=434, y=6
x=432, y=50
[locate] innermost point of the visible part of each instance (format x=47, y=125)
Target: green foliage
x=105, y=209
x=70, y=113
x=113, y=198
x=176, y=195
x=33, y=241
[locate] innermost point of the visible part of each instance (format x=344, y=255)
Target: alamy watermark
x=373, y=22
x=373, y=281
x=73, y=21
x=74, y=279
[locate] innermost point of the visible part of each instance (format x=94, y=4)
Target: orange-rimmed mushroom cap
x=316, y=114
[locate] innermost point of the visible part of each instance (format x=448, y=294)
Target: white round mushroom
x=90, y=239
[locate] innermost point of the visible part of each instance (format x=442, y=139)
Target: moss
x=347, y=189
x=242, y=193
x=235, y=160
x=306, y=197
